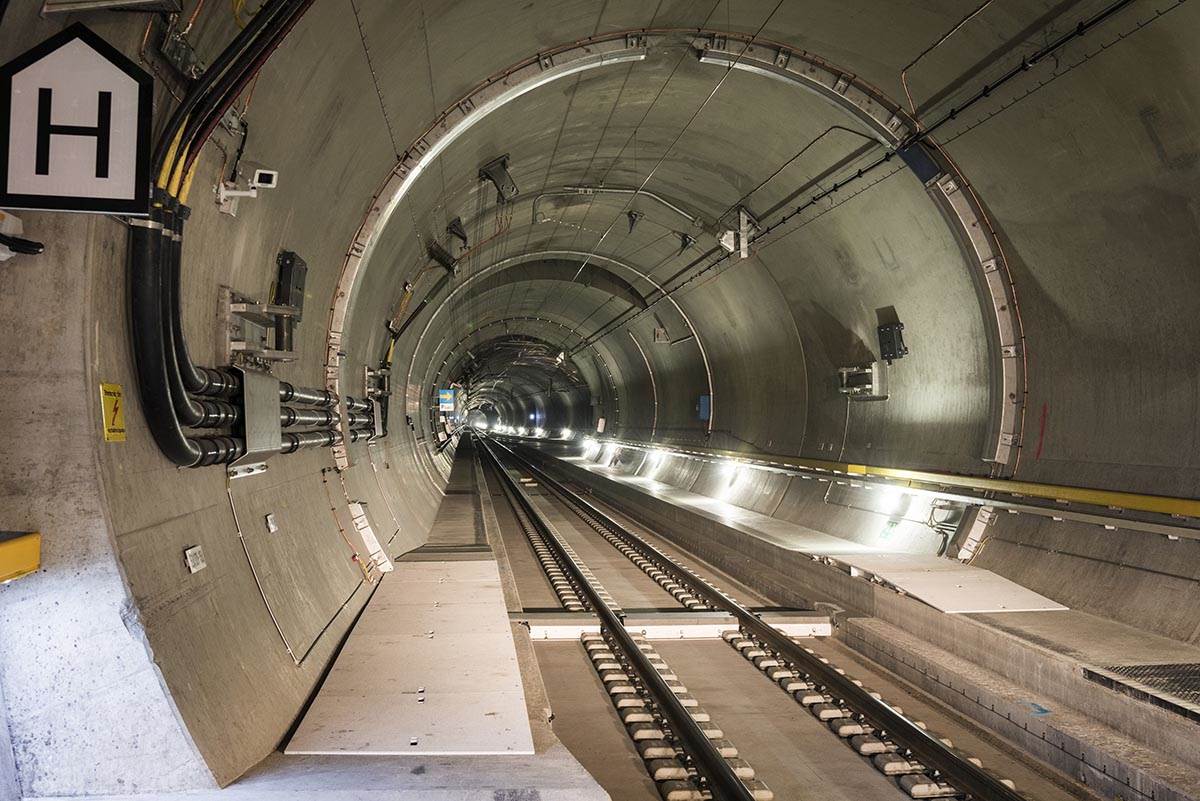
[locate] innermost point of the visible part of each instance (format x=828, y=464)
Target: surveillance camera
x=264, y=179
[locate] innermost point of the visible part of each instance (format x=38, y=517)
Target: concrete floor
x=587, y=724
x=1092, y=639
x=552, y=772
x=797, y=756
x=626, y=583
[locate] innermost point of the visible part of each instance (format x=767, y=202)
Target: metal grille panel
x=1180, y=680
x=1174, y=686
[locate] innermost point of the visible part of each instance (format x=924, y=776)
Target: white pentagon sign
x=75, y=119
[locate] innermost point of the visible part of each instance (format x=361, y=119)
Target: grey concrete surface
x=1068, y=737
x=793, y=753
x=1087, y=167
x=587, y=723
x=554, y=775
x=1041, y=662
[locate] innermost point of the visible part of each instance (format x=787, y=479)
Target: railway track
x=686, y=751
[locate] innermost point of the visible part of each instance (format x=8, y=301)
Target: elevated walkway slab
x=945, y=584
x=430, y=669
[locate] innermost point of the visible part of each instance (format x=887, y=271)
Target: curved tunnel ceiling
x=631, y=97
x=677, y=120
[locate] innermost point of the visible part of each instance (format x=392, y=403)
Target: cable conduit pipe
x=191, y=378
x=219, y=95
x=149, y=347
x=235, y=86
x=181, y=370
x=189, y=411
x=197, y=380
x=294, y=441
x=244, y=38
x=289, y=416
x=155, y=255
x=289, y=393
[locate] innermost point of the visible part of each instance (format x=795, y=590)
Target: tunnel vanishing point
x=573, y=399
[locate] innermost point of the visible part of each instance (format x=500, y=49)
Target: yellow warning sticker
x=112, y=409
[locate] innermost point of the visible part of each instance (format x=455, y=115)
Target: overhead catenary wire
x=625, y=145
x=670, y=147
x=940, y=41
x=1082, y=28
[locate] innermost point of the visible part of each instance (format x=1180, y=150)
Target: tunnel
x=600, y=399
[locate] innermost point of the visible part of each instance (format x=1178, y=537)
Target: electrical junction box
x=290, y=290
x=194, y=559
x=20, y=554
x=891, y=342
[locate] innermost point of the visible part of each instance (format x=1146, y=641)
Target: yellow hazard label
x=112, y=411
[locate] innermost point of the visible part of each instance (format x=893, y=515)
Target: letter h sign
x=75, y=128
x=101, y=131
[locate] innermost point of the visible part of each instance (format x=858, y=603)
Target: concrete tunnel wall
x=1089, y=181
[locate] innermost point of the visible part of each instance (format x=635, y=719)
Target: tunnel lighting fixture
x=539, y=432
x=567, y=433
x=891, y=501
x=655, y=461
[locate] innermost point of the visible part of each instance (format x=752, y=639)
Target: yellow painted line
x=1159, y=504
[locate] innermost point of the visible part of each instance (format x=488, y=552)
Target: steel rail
x=720, y=777
x=932, y=752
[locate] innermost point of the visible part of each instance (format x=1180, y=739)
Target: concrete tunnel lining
x=1009, y=406
x=469, y=286
x=1106, y=299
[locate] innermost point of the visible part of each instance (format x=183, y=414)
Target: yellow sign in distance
x=112, y=412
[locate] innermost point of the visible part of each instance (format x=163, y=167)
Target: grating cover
x=1173, y=686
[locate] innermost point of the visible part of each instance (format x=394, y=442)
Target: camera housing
x=264, y=179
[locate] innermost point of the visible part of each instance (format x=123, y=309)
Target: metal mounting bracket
x=496, y=171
